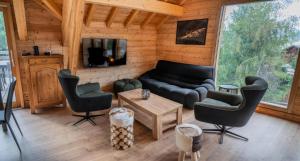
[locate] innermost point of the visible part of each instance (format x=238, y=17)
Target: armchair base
x=86, y=117
x=223, y=130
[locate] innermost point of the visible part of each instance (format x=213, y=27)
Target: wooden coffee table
x=152, y=111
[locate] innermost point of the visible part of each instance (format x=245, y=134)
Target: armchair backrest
x=252, y=93
x=69, y=83
x=9, y=101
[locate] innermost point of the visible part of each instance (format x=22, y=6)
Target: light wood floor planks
x=50, y=136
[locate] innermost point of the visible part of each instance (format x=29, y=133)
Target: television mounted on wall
x=103, y=52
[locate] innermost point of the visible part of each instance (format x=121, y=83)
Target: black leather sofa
x=183, y=83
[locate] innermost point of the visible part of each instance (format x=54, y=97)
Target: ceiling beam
x=147, y=20
x=90, y=13
x=19, y=11
x=162, y=21
x=111, y=16
x=52, y=8
x=181, y=2
x=131, y=17
x=154, y=6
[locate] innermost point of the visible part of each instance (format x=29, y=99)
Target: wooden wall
x=141, y=53
x=167, y=49
x=44, y=30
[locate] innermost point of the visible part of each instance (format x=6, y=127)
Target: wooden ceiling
x=75, y=13
x=98, y=12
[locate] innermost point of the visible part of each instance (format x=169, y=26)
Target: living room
x=195, y=79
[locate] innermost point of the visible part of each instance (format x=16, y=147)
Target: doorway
x=9, y=65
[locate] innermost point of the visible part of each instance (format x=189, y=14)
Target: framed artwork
x=192, y=32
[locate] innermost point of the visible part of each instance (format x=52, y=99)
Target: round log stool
x=126, y=85
x=188, y=140
x=121, y=128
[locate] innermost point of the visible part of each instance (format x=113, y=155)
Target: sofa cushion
x=174, y=80
x=185, y=96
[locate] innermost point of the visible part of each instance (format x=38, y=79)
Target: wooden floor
x=50, y=136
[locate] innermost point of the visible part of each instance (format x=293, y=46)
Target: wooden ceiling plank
x=19, y=10
x=131, y=17
x=89, y=16
x=50, y=6
x=111, y=16
x=144, y=5
x=181, y=2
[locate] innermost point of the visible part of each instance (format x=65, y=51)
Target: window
x=261, y=39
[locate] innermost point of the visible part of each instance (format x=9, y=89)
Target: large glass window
x=260, y=39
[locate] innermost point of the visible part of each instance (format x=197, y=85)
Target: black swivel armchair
x=229, y=110
x=83, y=98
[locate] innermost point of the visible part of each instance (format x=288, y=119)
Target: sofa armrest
x=147, y=74
x=232, y=99
x=210, y=81
x=88, y=87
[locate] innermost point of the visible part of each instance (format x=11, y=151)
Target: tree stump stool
x=188, y=140
x=121, y=128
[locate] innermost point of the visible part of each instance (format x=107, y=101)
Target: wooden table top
x=155, y=105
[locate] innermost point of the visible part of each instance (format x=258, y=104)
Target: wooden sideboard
x=43, y=85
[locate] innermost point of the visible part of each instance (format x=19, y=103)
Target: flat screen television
x=102, y=52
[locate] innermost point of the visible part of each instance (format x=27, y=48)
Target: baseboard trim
x=279, y=114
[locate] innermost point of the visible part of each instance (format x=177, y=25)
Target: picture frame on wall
x=192, y=32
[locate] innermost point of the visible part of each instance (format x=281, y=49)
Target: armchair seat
x=230, y=110
x=85, y=98
x=208, y=102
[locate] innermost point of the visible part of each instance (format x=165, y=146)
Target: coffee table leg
x=157, y=127
x=120, y=101
x=179, y=115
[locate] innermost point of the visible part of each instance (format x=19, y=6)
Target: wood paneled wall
x=141, y=53
x=44, y=30
x=167, y=48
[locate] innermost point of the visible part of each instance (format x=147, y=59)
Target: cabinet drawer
x=45, y=61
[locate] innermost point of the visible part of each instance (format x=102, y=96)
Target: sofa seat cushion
x=152, y=84
x=185, y=96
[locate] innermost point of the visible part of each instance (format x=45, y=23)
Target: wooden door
x=45, y=86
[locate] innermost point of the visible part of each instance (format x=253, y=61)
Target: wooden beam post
x=130, y=18
x=76, y=21
x=144, y=5
x=66, y=18
x=19, y=10
x=89, y=15
x=111, y=16
x=73, y=13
